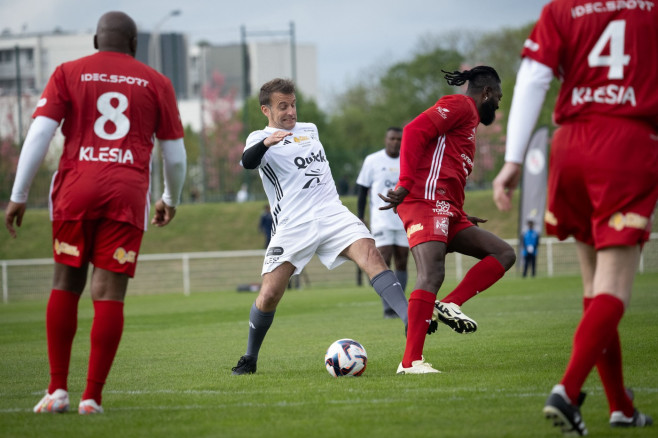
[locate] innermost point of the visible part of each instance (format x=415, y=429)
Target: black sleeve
x=361, y=201
x=252, y=156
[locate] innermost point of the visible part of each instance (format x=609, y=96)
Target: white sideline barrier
x=226, y=270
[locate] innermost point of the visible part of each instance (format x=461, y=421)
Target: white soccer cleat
x=57, y=402
x=417, y=367
x=89, y=406
x=451, y=315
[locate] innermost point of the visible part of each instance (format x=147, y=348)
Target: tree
x=221, y=138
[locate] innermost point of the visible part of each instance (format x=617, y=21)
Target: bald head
x=116, y=32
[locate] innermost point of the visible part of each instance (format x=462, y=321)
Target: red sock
x=106, y=333
x=594, y=333
x=421, y=305
x=478, y=279
x=611, y=372
x=61, y=325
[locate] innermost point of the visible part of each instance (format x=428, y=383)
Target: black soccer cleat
x=563, y=414
x=246, y=365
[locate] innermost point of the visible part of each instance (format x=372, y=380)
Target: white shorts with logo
x=327, y=237
x=390, y=237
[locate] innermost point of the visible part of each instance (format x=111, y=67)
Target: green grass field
x=172, y=374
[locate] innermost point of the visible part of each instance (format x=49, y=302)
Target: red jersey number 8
x=113, y=114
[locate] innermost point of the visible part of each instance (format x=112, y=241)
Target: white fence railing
x=240, y=270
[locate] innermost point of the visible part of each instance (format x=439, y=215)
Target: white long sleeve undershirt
x=175, y=159
x=532, y=82
x=35, y=148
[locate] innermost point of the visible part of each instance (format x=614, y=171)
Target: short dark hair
x=394, y=128
x=477, y=77
x=278, y=85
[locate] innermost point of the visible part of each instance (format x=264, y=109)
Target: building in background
x=245, y=67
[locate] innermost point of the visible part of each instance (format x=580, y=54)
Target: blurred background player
x=265, y=224
x=380, y=173
x=436, y=157
x=308, y=215
x=112, y=107
x=602, y=173
x=530, y=241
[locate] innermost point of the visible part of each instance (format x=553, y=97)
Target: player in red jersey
x=436, y=157
x=113, y=107
x=602, y=173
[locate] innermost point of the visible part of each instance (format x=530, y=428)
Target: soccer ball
x=346, y=357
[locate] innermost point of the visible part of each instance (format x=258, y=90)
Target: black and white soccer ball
x=346, y=357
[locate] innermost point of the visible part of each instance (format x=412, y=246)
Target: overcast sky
x=351, y=36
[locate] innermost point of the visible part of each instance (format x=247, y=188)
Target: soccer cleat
x=618, y=419
x=417, y=367
x=57, y=402
x=559, y=409
x=89, y=406
x=451, y=315
x=246, y=365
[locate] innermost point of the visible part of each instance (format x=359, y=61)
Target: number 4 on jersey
x=617, y=59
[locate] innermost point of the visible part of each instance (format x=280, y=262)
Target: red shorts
x=603, y=182
x=107, y=244
x=427, y=221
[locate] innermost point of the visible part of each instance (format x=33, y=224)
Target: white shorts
x=327, y=237
x=390, y=237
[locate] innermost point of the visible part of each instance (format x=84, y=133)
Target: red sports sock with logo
x=106, y=332
x=421, y=306
x=594, y=333
x=611, y=372
x=478, y=279
x=61, y=325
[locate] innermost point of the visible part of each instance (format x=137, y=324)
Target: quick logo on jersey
x=107, y=155
x=114, y=79
x=42, y=102
x=303, y=163
x=65, y=248
x=122, y=256
x=609, y=94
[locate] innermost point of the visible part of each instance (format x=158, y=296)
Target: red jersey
x=605, y=52
x=112, y=106
x=438, y=148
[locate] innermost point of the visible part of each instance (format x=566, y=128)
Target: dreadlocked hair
x=477, y=77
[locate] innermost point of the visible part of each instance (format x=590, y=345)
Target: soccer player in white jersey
x=308, y=215
x=379, y=174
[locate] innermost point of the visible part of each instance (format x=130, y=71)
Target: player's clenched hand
x=276, y=137
x=504, y=184
x=163, y=214
x=14, y=211
x=394, y=198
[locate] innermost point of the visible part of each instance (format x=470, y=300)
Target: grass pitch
x=172, y=373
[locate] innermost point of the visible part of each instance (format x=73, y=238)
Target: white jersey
x=296, y=177
x=380, y=173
